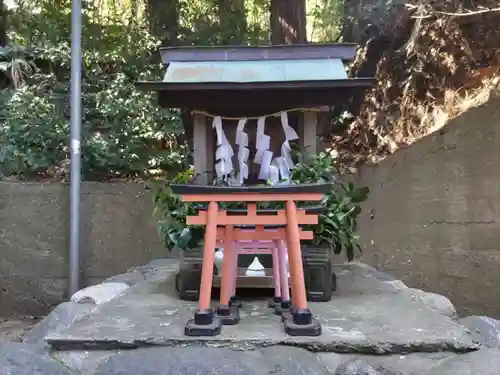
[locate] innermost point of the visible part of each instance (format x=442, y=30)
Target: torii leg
x=233, y=301
x=227, y=314
x=276, y=301
x=285, y=288
x=299, y=299
x=302, y=322
x=205, y=323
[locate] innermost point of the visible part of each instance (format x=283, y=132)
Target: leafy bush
x=336, y=228
x=32, y=134
x=338, y=224
x=15, y=64
x=172, y=213
x=124, y=132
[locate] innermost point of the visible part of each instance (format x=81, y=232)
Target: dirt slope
x=432, y=62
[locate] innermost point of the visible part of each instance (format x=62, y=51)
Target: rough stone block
x=355, y=367
x=407, y=364
x=273, y=360
x=84, y=362
x=433, y=301
x=186, y=361
x=357, y=320
x=484, y=330
x=60, y=318
x=129, y=278
x=289, y=360
x=24, y=359
x=158, y=269
x=100, y=293
x=379, y=275
x=396, y=284
x=163, y=263
x=168, y=361
x=482, y=362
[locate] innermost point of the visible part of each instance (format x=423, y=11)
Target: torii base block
x=228, y=314
x=204, y=323
x=300, y=322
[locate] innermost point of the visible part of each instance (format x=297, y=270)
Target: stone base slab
x=366, y=315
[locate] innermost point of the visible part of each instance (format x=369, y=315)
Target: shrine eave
x=345, y=51
x=187, y=189
x=257, y=95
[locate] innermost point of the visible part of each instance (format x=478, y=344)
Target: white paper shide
x=273, y=169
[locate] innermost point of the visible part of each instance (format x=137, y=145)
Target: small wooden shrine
x=246, y=106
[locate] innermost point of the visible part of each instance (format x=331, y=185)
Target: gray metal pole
x=75, y=135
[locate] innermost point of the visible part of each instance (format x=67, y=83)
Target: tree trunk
x=163, y=20
x=3, y=24
x=233, y=21
x=132, y=18
x=288, y=22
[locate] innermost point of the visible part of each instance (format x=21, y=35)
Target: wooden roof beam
x=243, y=53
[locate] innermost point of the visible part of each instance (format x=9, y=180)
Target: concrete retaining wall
x=118, y=232
x=433, y=217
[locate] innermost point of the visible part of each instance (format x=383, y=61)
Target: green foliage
x=337, y=225
x=325, y=20
x=124, y=132
x=218, y=22
x=172, y=213
x=31, y=137
x=336, y=228
x=121, y=125
x=15, y=64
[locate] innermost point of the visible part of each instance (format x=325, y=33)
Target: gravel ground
x=13, y=329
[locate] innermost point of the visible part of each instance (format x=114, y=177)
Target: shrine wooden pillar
x=203, y=149
x=307, y=132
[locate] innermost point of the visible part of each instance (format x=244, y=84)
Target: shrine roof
x=345, y=51
x=204, y=77
x=255, y=71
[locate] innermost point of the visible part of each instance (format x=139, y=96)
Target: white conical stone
x=256, y=265
x=218, y=260
x=100, y=293
x=255, y=268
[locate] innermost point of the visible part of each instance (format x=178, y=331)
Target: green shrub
x=32, y=135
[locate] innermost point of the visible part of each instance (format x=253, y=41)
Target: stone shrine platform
x=370, y=313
